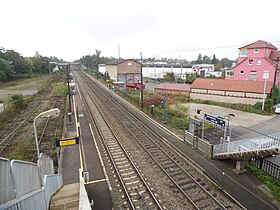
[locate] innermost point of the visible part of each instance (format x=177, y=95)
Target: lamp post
x=69, y=94
x=265, y=77
x=49, y=113
x=227, y=128
x=50, y=62
x=164, y=105
x=141, y=72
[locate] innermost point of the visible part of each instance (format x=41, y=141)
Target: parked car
x=277, y=108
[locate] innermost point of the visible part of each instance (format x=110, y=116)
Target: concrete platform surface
x=66, y=198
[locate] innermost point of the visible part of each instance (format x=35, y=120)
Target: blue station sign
x=195, y=121
x=215, y=120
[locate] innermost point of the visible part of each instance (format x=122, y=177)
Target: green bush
x=60, y=89
x=272, y=184
x=14, y=102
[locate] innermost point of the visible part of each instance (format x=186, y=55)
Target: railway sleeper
x=176, y=173
x=199, y=199
x=182, y=178
x=168, y=165
x=189, y=187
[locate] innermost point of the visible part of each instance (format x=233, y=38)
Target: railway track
x=196, y=188
x=13, y=130
x=138, y=193
x=47, y=133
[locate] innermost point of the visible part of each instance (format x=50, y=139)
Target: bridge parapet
x=26, y=185
x=258, y=146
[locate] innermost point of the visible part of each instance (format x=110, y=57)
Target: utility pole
x=69, y=94
x=274, y=81
x=141, y=72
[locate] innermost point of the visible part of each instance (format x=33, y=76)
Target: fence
x=267, y=167
x=252, y=144
x=198, y=143
x=180, y=123
x=25, y=185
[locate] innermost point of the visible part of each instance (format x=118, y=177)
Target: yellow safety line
x=77, y=132
x=96, y=181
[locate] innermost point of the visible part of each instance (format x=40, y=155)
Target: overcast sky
x=70, y=29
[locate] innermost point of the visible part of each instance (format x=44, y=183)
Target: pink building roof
x=260, y=44
x=173, y=86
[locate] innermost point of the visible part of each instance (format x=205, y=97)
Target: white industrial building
x=157, y=71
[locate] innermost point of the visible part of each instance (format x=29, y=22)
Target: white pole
x=36, y=136
x=263, y=94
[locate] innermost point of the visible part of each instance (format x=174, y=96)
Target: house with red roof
x=235, y=91
x=256, y=62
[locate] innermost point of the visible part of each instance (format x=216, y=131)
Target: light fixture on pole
x=49, y=113
x=227, y=126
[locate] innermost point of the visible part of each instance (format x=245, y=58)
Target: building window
x=243, y=53
x=265, y=74
x=250, y=62
x=241, y=72
x=256, y=50
x=129, y=64
x=253, y=75
x=259, y=62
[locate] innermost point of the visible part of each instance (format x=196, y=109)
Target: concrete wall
x=198, y=90
x=112, y=71
x=255, y=95
x=225, y=99
x=233, y=93
x=216, y=92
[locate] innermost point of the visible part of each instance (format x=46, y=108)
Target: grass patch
x=271, y=183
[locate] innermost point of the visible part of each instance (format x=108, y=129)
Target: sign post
x=196, y=123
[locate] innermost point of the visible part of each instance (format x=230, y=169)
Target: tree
x=92, y=61
x=191, y=77
x=6, y=70
x=276, y=95
x=17, y=61
x=206, y=59
x=214, y=60
x=218, y=66
x=38, y=64
x=169, y=77
x=226, y=63
x=199, y=59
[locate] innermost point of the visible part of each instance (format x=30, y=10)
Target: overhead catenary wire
x=199, y=49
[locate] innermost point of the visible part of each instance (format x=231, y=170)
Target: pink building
x=257, y=61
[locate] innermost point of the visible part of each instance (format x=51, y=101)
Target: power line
x=201, y=49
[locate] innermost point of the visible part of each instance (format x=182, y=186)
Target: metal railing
x=198, y=143
x=252, y=144
x=25, y=185
x=267, y=167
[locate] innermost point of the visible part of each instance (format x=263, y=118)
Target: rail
x=133, y=183
x=184, y=184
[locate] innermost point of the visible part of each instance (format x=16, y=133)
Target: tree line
x=219, y=64
x=92, y=61
x=13, y=65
